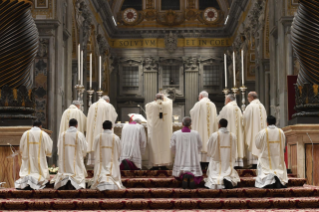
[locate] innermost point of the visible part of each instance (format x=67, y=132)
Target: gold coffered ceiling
x=172, y=13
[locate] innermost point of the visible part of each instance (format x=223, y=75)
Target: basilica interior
x=132, y=49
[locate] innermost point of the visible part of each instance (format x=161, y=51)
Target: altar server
x=222, y=152
x=73, y=112
x=133, y=144
x=232, y=113
x=159, y=125
x=35, y=146
x=107, y=150
x=99, y=112
x=254, y=120
x=271, y=166
x=72, y=148
x=187, y=144
x=204, y=116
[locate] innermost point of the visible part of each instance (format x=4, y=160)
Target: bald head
x=106, y=98
x=159, y=96
x=252, y=96
x=229, y=98
x=203, y=94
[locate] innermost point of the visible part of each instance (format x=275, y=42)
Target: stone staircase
x=159, y=191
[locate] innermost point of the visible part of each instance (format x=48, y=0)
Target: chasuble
x=107, y=150
x=72, y=148
x=204, y=121
x=232, y=113
x=271, y=143
x=160, y=126
x=222, y=152
x=35, y=146
x=73, y=113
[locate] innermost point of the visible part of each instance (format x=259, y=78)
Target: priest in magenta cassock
x=107, y=150
x=99, y=112
x=133, y=144
x=35, y=146
x=232, y=113
x=254, y=120
x=204, y=116
x=160, y=126
x=72, y=148
x=222, y=152
x=272, y=172
x=73, y=112
x=187, y=144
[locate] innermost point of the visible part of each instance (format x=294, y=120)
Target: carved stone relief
x=171, y=42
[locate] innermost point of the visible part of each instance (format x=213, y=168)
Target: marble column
x=150, y=85
x=290, y=66
x=191, y=87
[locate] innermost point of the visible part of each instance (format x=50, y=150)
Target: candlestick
x=90, y=92
x=100, y=72
x=91, y=71
x=226, y=92
x=225, y=63
x=234, y=68
x=235, y=91
x=99, y=94
x=242, y=67
x=82, y=92
x=79, y=64
x=243, y=101
x=81, y=67
x=80, y=89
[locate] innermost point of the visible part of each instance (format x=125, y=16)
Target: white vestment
x=72, y=148
x=133, y=143
x=159, y=131
x=99, y=112
x=271, y=162
x=254, y=120
x=232, y=113
x=222, y=150
x=204, y=121
x=186, y=146
x=72, y=113
x=35, y=146
x=107, y=150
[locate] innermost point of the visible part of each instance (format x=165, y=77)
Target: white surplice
x=73, y=113
x=72, y=148
x=186, y=146
x=232, y=113
x=204, y=121
x=254, y=120
x=107, y=150
x=221, y=150
x=133, y=143
x=35, y=146
x=99, y=112
x=271, y=143
x=159, y=131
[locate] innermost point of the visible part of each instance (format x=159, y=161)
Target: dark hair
x=37, y=123
x=73, y=123
x=223, y=123
x=271, y=120
x=107, y=125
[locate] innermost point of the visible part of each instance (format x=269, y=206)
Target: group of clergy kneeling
x=204, y=137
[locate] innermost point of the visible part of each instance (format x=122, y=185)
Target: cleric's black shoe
x=125, y=164
x=185, y=181
x=228, y=184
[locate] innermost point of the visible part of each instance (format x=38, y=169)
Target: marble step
x=162, y=193
x=156, y=204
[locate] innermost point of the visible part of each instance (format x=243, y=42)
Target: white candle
x=79, y=63
x=100, y=72
x=225, y=63
x=234, y=68
x=91, y=71
x=242, y=67
x=81, y=67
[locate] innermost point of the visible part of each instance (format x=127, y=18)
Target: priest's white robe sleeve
x=48, y=144
x=173, y=143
